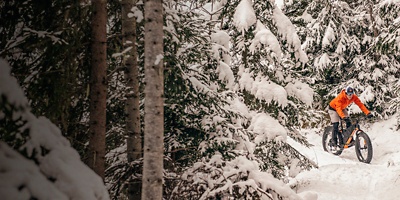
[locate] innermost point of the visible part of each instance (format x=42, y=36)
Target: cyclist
x=338, y=108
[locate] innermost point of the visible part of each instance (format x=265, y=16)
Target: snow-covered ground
x=344, y=177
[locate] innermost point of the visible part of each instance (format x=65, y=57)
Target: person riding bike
x=338, y=108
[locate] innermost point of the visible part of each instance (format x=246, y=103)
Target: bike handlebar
x=359, y=119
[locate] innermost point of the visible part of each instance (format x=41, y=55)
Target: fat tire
x=368, y=145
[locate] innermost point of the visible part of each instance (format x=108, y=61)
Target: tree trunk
x=98, y=89
x=154, y=103
x=132, y=109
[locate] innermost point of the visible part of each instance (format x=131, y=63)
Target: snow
x=9, y=86
x=388, y=2
x=344, y=177
x=266, y=90
x=336, y=178
x=269, y=91
x=365, y=96
x=280, y=4
x=135, y=12
x=238, y=167
x=288, y=32
x=123, y=53
x=322, y=62
x=238, y=105
x=244, y=16
x=267, y=128
x=211, y=10
x=15, y=169
x=306, y=17
x=329, y=36
x=266, y=37
x=226, y=74
x=159, y=57
x=59, y=173
x=221, y=40
x=198, y=86
x=246, y=80
x=302, y=91
x=377, y=74
x=341, y=47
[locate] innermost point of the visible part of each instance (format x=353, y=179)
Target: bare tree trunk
x=98, y=89
x=132, y=109
x=154, y=103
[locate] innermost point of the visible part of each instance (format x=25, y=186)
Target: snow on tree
x=244, y=16
x=387, y=45
x=238, y=131
x=351, y=43
x=286, y=29
x=40, y=163
x=266, y=37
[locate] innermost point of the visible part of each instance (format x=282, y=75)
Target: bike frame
x=351, y=137
x=352, y=134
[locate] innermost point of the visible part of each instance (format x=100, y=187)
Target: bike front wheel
x=363, y=147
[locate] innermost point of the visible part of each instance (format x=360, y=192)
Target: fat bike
x=352, y=136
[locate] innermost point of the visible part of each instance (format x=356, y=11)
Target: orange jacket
x=341, y=102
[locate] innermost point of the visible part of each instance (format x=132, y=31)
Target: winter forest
x=186, y=99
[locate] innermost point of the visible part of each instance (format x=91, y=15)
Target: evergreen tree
x=388, y=45
x=382, y=59
x=33, y=153
x=343, y=40
x=46, y=46
x=236, y=83
x=233, y=138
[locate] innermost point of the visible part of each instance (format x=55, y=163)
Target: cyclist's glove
x=370, y=115
x=347, y=120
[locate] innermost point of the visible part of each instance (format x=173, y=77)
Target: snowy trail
x=344, y=177
x=351, y=181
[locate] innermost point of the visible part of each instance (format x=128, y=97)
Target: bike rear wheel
x=326, y=141
x=363, y=147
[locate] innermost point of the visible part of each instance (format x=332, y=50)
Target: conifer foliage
x=241, y=79
x=34, y=153
x=349, y=44
x=242, y=136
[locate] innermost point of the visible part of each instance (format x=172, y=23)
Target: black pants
x=336, y=135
